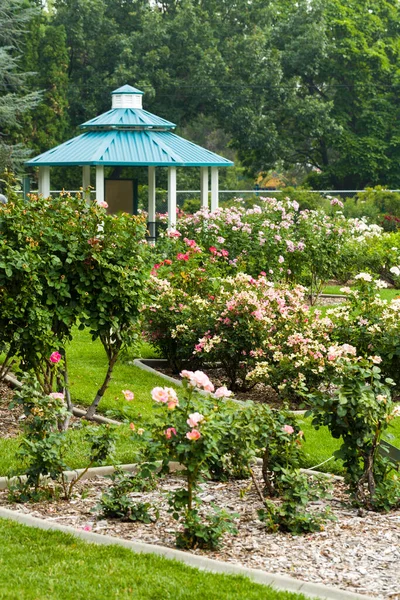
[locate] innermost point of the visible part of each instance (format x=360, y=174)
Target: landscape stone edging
x=77, y=412
x=278, y=582
x=109, y=469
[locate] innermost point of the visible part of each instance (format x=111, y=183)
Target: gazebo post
x=204, y=187
x=151, y=217
x=44, y=181
x=171, y=197
x=99, y=183
x=214, y=188
x=86, y=182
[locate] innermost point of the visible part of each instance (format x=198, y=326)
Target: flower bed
x=338, y=556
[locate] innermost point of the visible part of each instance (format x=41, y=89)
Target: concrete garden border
x=278, y=582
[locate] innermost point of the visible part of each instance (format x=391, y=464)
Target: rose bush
x=63, y=263
x=370, y=323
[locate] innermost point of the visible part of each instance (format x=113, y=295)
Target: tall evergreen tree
x=15, y=99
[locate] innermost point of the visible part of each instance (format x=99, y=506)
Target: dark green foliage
x=205, y=533
x=290, y=515
x=15, y=97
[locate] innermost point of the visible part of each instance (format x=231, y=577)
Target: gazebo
x=127, y=135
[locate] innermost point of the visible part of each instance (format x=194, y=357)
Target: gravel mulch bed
x=10, y=420
x=359, y=552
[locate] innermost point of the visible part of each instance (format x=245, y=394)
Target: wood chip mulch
x=358, y=552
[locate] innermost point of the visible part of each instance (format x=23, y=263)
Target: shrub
x=44, y=444
x=370, y=323
x=358, y=409
x=290, y=515
x=65, y=262
x=184, y=435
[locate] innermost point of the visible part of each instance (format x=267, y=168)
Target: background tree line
x=313, y=84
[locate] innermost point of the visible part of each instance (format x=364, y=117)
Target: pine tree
x=15, y=99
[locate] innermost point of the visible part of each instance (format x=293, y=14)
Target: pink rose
x=55, y=357
x=172, y=404
x=132, y=426
x=102, y=204
x=164, y=395
x=56, y=396
x=223, y=392
x=288, y=429
x=193, y=435
x=87, y=528
x=168, y=432
x=128, y=394
x=224, y=252
x=159, y=394
x=194, y=419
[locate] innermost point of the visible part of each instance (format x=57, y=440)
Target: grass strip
x=46, y=565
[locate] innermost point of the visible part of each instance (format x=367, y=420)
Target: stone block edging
x=279, y=582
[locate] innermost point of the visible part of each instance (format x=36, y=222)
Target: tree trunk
x=92, y=408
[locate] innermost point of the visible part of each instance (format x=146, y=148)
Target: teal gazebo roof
x=131, y=136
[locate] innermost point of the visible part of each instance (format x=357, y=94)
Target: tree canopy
x=311, y=84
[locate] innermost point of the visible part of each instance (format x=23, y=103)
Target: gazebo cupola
x=127, y=97
x=128, y=135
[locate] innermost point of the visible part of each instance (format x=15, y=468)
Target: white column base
x=99, y=183
x=204, y=187
x=171, y=197
x=214, y=188
x=44, y=181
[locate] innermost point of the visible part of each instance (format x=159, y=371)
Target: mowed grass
x=386, y=294
x=87, y=365
x=50, y=565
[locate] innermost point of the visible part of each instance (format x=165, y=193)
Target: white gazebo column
x=44, y=181
x=99, y=183
x=204, y=187
x=214, y=188
x=171, y=197
x=151, y=218
x=86, y=182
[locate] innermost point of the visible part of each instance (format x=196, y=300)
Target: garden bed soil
x=259, y=393
x=12, y=419
x=359, y=552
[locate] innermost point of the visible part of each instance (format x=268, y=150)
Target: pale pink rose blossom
x=223, y=392
x=159, y=394
x=376, y=360
x=102, y=204
x=288, y=429
x=128, y=394
x=193, y=435
x=56, y=396
x=194, y=419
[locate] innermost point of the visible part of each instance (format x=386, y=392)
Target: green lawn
x=87, y=369
x=387, y=294
x=50, y=565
